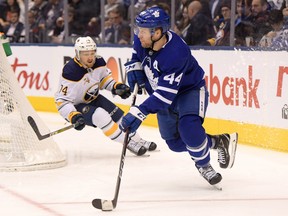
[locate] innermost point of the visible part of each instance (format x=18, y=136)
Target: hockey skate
x=150, y=146
x=226, y=145
x=210, y=174
x=136, y=148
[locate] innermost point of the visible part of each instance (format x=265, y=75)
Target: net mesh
x=20, y=149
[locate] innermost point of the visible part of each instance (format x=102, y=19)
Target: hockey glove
x=122, y=90
x=132, y=119
x=135, y=74
x=77, y=119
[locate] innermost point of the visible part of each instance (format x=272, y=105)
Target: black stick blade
x=35, y=128
x=104, y=205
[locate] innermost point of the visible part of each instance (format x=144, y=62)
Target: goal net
x=20, y=149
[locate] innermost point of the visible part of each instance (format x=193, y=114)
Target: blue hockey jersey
x=170, y=72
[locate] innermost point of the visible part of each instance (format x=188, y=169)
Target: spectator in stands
x=22, y=10
x=276, y=4
x=281, y=42
x=58, y=31
x=244, y=27
x=179, y=9
x=215, y=8
x=6, y=8
x=53, y=11
x=285, y=14
x=162, y=4
x=84, y=10
x=182, y=25
x=222, y=25
x=36, y=32
x=111, y=5
x=243, y=8
x=15, y=28
x=139, y=6
x=39, y=10
x=260, y=15
x=278, y=37
x=201, y=26
x=94, y=27
x=118, y=31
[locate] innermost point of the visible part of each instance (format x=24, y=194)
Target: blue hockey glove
x=132, y=119
x=78, y=119
x=135, y=74
x=122, y=90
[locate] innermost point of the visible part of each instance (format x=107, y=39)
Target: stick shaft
x=109, y=205
x=123, y=154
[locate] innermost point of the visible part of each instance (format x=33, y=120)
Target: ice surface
x=166, y=183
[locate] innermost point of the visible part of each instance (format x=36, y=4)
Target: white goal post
x=20, y=149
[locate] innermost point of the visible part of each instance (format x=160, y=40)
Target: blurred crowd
x=261, y=23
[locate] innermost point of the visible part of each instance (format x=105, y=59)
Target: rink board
x=248, y=89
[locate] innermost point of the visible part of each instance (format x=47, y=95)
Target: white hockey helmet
x=84, y=44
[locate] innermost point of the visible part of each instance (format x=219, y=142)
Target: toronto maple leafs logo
x=156, y=14
x=150, y=76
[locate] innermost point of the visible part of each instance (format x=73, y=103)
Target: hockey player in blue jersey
x=79, y=99
x=162, y=64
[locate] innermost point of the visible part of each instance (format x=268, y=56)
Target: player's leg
x=116, y=114
x=98, y=117
x=168, y=127
x=192, y=108
x=197, y=145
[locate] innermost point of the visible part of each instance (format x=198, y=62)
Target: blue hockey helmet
x=152, y=18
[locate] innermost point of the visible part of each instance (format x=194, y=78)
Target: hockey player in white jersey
x=78, y=99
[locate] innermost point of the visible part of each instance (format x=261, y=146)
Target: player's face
x=87, y=58
x=144, y=36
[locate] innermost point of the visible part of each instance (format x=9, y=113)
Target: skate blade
x=156, y=150
x=232, y=148
x=217, y=186
x=138, y=156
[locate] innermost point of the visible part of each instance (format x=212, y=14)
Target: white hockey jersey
x=81, y=85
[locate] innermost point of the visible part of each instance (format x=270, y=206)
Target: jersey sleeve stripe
x=160, y=97
x=106, y=82
x=173, y=91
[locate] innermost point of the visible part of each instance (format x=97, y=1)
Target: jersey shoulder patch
x=73, y=71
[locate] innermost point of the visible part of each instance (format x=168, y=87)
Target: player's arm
x=117, y=88
x=107, y=82
x=135, y=74
x=134, y=69
x=64, y=103
x=161, y=98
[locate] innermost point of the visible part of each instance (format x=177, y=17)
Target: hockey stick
x=44, y=136
x=109, y=205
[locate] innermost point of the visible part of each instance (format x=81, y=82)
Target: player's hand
x=135, y=74
x=132, y=120
x=77, y=119
x=122, y=90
